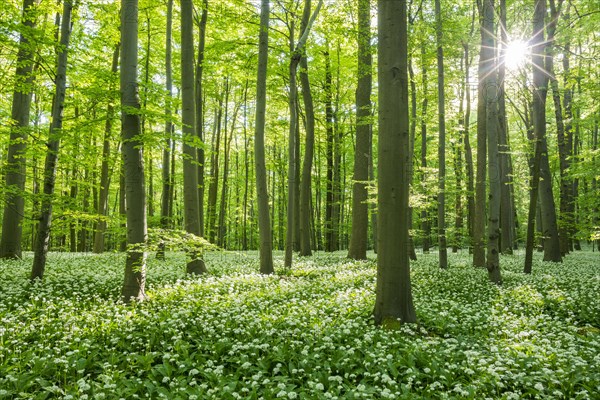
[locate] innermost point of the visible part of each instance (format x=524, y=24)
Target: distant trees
x=317, y=130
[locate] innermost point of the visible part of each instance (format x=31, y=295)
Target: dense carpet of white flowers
x=305, y=333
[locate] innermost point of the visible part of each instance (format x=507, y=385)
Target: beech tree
x=14, y=203
x=53, y=144
x=133, y=159
x=393, y=293
x=264, y=224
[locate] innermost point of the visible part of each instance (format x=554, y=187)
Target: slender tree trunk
x=200, y=111
x=167, y=189
x=99, y=243
x=222, y=240
x=14, y=203
x=214, y=172
x=195, y=264
x=43, y=236
x=305, y=185
x=393, y=300
x=443, y=251
x=329, y=154
x=360, y=222
x=264, y=225
x=133, y=164
x=425, y=223
x=468, y=150
x=412, y=254
x=296, y=55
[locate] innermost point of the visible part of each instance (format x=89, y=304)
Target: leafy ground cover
x=306, y=333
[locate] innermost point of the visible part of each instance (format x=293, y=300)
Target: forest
x=328, y=199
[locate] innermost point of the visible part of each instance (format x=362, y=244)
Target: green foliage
x=308, y=334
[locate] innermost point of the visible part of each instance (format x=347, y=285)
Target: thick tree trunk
x=491, y=103
x=133, y=160
x=360, y=213
x=443, y=251
x=507, y=210
x=195, y=264
x=393, y=301
x=43, y=236
x=486, y=64
x=14, y=203
x=264, y=225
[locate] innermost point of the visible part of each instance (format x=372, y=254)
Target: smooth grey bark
x=195, y=264
x=309, y=145
x=296, y=55
x=200, y=110
x=425, y=223
x=507, y=205
x=393, y=302
x=540, y=89
x=211, y=211
x=264, y=223
x=548, y=207
x=14, y=203
x=563, y=132
x=45, y=220
x=102, y=209
x=329, y=155
x=360, y=212
x=486, y=65
x=443, y=251
x=167, y=188
x=133, y=161
x=491, y=113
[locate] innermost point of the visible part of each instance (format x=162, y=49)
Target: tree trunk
x=200, y=111
x=53, y=145
x=214, y=179
x=195, y=264
x=468, y=150
x=549, y=220
x=296, y=54
x=443, y=251
x=486, y=65
x=393, y=301
x=490, y=91
x=507, y=209
x=264, y=225
x=14, y=203
x=329, y=154
x=360, y=222
x=133, y=160
x=167, y=189
x=425, y=223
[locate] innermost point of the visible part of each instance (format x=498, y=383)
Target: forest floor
x=306, y=333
